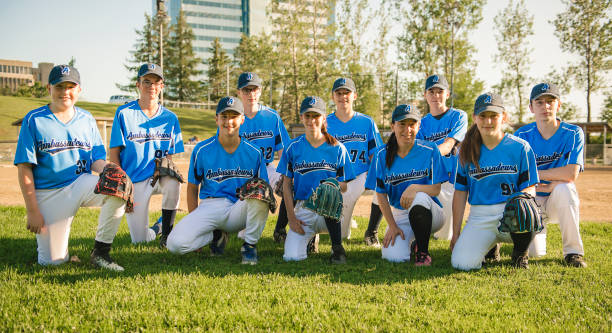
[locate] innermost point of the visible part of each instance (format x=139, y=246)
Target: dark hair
x=392, y=148
x=470, y=147
x=328, y=137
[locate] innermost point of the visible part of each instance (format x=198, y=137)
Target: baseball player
x=446, y=127
x=359, y=134
x=558, y=147
x=492, y=166
x=59, y=145
x=144, y=130
x=409, y=173
x=218, y=166
x=309, y=159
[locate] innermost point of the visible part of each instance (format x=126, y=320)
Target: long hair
x=470, y=147
x=392, y=148
x=328, y=137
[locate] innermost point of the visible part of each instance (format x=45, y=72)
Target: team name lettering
x=548, y=159
x=146, y=137
x=59, y=146
x=221, y=175
x=353, y=137
x=306, y=167
x=258, y=135
x=434, y=137
x=493, y=170
x=396, y=179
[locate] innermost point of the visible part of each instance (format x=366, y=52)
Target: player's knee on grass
x=464, y=260
x=537, y=248
x=295, y=246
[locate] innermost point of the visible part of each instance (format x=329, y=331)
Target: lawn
x=160, y=291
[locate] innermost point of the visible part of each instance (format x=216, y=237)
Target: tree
x=36, y=90
x=72, y=62
x=585, y=29
x=181, y=68
x=606, y=113
x=218, y=65
x=514, y=25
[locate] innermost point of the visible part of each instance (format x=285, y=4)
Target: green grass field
x=160, y=291
x=200, y=123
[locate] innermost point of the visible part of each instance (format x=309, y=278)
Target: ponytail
x=328, y=137
x=392, y=148
x=470, y=147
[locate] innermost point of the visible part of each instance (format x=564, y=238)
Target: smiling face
x=229, y=122
x=249, y=96
x=313, y=121
x=405, y=131
x=545, y=108
x=344, y=98
x=150, y=86
x=436, y=97
x=64, y=94
x=490, y=123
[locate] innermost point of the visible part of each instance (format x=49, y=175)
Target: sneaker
x=354, y=224
x=575, y=260
x=249, y=254
x=371, y=239
x=313, y=245
x=338, y=255
x=217, y=246
x=163, y=240
x=414, y=249
x=422, y=259
x=493, y=255
x=104, y=261
x=157, y=227
x=279, y=236
x=519, y=261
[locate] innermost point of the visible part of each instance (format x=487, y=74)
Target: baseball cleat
x=338, y=255
x=157, y=227
x=249, y=254
x=520, y=261
x=313, y=245
x=422, y=259
x=217, y=246
x=414, y=249
x=371, y=240
x=575, y=260
x=163, y=240
x=104, y=261
x=279, y=236
x=493, y=255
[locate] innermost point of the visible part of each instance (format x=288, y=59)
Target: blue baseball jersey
x=267, y=131
x=509, y=167
x=370, y=182
x=143, y=139
x=308, y=165
x=451, y=124
x=422, y=165
x=359, y=135
x=219, y=173
x=565, y=147
x=59, y=152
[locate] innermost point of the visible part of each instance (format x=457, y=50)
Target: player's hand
x=453, y=242
x=390, y=235
x=548, y=186
x=36, y=222
x=407, y=197
x=296, y=226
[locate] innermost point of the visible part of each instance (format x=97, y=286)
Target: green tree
x=181, y=69
x=218, y=65
x=606, y=113
x=514, y=25
x=585, y=29
x=36, y=90
x=72, y=62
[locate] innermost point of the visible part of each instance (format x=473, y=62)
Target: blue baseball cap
x=248, y=79
x=436, y=81
x=405, y=111
x=344, y=83
x=230, y=103
x=150, y=69
x=489, y=102
x=314, y=104
x=545, y=88
x=64, y=73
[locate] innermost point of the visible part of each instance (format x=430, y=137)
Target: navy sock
x=282, y=221
x=335, y=231
x=375, y=219
x=420, y=221
x=168, y=216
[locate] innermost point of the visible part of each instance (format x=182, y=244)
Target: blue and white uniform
x=267, y=131
x=508, y=168
x=218, y=174
x=423, y=166
x=142, y=139
x=61, y=155
x=362, y=139
x=451, y=124
x=561, y=205
x=308, y=166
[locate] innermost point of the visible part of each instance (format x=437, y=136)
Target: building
x=16, y=73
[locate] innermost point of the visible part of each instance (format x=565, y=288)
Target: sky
x=100, y=35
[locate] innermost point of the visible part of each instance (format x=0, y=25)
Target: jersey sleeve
x=439, y=174
x=380, y=173
x=195, y=177
x=370, y=182
x=344, y=172
x=284, y=165
x=177, y=146
x=118, y=131
x=282, y=137
x=528, y=173
x=26, y=148
x=374, y=140
x=262, y=170
x=98, y=152
x=461, y=178
x=576, y=155
x=459, y=128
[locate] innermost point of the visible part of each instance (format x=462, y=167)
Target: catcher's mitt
x=114, y=181
x=326, y=199
x=257, y=188
x=521, y=214
x=165, y=167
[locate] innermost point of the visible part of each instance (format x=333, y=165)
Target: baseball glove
x=165, y=167
x=114, y=181
x=521, y=214
x=257, y=188
x=326, y=199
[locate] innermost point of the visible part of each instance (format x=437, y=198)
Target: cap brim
x=546, y=94
x=230, y=108
x=64, y=79
x=313, y=110
x=151, y=72
x=344, y=87
x=250, y=83
x=492, y=108
x=437, y=85
x=408, y=116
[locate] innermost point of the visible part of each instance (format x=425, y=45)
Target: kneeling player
x=218, y=167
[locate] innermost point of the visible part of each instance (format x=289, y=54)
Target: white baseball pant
x=58, y=207
x=400, y=251
x=196, y=229
x=479, y=235
x=446, y=199
x=138, y=220
x=354, y=189
x=296, y=244
x=563, y=207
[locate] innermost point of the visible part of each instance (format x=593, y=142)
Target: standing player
x=492, y=166
x=309, y=159
x=446, y=128
x=220, y=165
x=143, y=131
x=558, y=147
x=409, y=173
x=59, y=144
x=359, y=134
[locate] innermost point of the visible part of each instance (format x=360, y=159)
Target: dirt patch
x=593, y=187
